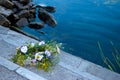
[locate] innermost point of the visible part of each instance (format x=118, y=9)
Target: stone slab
x=5, y=12
x=3, y=32
x=17, y=39
x=59, y=73
x=86, y=68
x=103, y=72
x=82, y=73
x=6, y=49
x=28, y=74
x=8, y=64
x=6, y=74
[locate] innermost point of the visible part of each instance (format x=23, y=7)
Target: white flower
x=39, y=56
x=24, y=49
x=41, y=43
x=47, y=53
x=58, y=49
x=32, y=44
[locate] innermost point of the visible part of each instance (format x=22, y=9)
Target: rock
x=4, y=21
x=22, y=22
x=15, y=10
x=47, y=8
x=28, y=6
x=6, y=3
x=5, y=12
x=31, y=18
x=24, y=14
x=46, y=17
x=19, y=6
x=33, y=11
x=36, y=25
x=24, y=1
x=13, y=18
x=32, y=15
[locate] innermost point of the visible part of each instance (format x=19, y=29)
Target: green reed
x=116, y=56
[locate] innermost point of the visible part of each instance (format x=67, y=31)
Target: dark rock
x=33, y=11
x=13, y=18
x=24, y=14
x=47, y=8
x=32, y=15
x=22, y=22
x=6, y=3
x=36, y=25
x=15, y=10
x=28, y=6
x=19, y=6
x=46, y=17
x=24, y=1
x=4, y=21
x=5, y=12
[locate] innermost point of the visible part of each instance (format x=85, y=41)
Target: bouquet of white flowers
x=42, y=55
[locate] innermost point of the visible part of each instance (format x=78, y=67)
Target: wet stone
x=5, y=12
x=24, y=1
x=4, y=21
x=13, y=18
x=22, y=22
x=24, y=13
x=36, y=25
x=6, y=3
x=46, y=17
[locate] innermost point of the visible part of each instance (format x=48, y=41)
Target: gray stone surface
x=8, y=64
x=17, y=39
x=82, y=73
x=59, y=73
x=6, y=74
x=5, y=12
x=99, y=71
x=3, y=32
x=22, y=22
x=6, y=49
x=28, y=74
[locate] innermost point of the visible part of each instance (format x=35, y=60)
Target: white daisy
x=39, y=56
x=24, y=49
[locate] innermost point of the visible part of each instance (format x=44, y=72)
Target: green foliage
x=116, y=56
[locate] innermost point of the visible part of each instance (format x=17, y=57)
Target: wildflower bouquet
x=42, y=55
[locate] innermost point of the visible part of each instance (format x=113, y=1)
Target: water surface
x=81, y=24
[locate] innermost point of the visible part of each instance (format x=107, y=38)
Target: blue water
x=81, y=24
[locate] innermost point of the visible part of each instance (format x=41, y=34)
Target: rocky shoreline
x=20, y=13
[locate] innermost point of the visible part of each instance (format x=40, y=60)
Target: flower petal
x=47, y=53
x=24, y=49
x=41, y=43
